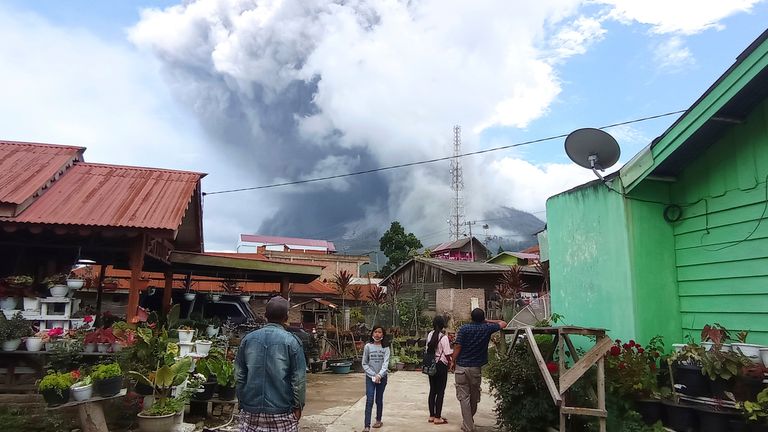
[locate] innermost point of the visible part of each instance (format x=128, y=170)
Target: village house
x=460, y=250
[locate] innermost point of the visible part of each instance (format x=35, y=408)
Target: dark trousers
x=437, y=390
x=373, y=392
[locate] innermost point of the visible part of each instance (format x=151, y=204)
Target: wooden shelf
x=122, y=393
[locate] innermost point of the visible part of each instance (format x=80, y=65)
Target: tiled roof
x=115, y=196
x=450, y=245
x=290, y=241
x=26, y=168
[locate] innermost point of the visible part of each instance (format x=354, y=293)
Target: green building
x=678, y=238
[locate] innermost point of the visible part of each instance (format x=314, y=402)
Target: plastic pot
x=227, y=393
x=764, y=356
x=163, y=423
x=202, y=347
x=245, y=298
x=11, y=345
x=651, y=410
x=34, y=344
x=108, y=387
x=75, y=284
x=59, y=290
x=185, y=348
x=691, y=379
x=81, y=393
x=211, y=331
x=142, y=388
x=8, y=303
x=53, y=398
x=31, y=304
x=342, y=367
x=185, y=336
x=89, y=347
x=209, y=389
x=750, y=350
x=215, y=297
x=712, y=420
x=746, y=388
x=680, y=417
x=719, y=386
x=103, y=347
x=189, y=296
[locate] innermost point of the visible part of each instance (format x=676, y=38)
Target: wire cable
x=429, y=161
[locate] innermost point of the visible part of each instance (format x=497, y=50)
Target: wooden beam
x=100, y=293
x=167, y=288
x=137, y=264
x=601, y=387
x=584, y=411
x=285, y=287
x=575, y=355
x=553, y=392
x=597, y=352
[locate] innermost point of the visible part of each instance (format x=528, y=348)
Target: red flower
x=622, y=365
x=88, y=318
x=626, y=346
x=75, y=374
x=632, y=342
x=615, y=351
x=656, y=354
x=640, y=350
x=552, y=367
x=55, y=332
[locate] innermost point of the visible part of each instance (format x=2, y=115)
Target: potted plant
x=125, y=336
x=75, y=282
x=722, y=367
x=224, y=371
x=213, y=327
x=102, y=339
x=202, y=346
x=245, y=298
x=12, y=287
x=55, y=387
x=82, y=389
x=214, y=297
x=631, y=373
x=206, y=367
x=52, y=337
x=186, y=333
x=34, y=343
x=107, y=379
x=686, y=369
x=82, y=317
x=13, y=330
x=756, y=412
x=750, y=350
x=160, y=416
x=57, y=284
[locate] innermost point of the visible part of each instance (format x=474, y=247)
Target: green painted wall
x=720, y=280
x=590, y=264
x=506, y=260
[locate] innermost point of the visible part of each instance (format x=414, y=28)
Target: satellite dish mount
x=592, y=149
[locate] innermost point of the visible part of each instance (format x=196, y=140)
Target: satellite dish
x=593, y=149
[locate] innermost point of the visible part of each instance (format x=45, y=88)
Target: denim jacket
x=271, y=371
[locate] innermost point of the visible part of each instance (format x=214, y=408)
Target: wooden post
x=561, y=367
x=92, y=417
x=601, y=390
x=167, y=289
x=137, y=264
x=100, y=294
x=285, y=286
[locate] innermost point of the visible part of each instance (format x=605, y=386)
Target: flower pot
x=50, y=346
x=747, y=387
x=189, y=296
x=227, y=393
x=707, y=345
x=185, y=336
x=399, y=366
x=34, y=344
x=211, y=331
x=750, y=350
x=77, y=322
x=103, y=347
x=185, y=348
x=725, y=347
x=202, y=347
x=11, y=345
x=75, y=284
x=340, y=367
x=82, y=393
x=8, y=303
x=108, y=387
x=245, y=298
x=53, y=398
x=764, y=356
x=89, y=347
x=316, y=367
x=215, y=297
x=691, y=380
x=31, y=304
x=142, y=388
x=163, y=423
x=719, y=386
x=737, y=425
x=209, y=389
x=680, y=417
x=678, y=347
x=713, y=420
x=651, y=410
x=117, y=347
x=59, y=290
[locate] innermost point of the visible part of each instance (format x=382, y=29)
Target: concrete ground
x=336, y=403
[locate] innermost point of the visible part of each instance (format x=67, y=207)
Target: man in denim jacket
x=271, y=375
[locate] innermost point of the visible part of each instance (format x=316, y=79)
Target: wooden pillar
x=137, y=264
x=601, y=391
x=100, y=293
x=285, y=286
x=167, y=289
x=92, y=417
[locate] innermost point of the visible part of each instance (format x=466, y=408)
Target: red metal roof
x=116, y=196
x=276, y=240
x=25, y=168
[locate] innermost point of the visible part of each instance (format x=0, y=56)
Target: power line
x=429, y=161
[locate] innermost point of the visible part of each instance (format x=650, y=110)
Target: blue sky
x=266, y=91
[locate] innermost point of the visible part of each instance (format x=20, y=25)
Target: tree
x=510, y=284
x=397, y=246
x=341, y=281
x=377, y=297
x=393, y=289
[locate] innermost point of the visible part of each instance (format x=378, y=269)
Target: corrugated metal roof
x=25, y=168
x=277, y=240
x=115, y=196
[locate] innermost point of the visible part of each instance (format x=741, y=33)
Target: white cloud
x=577, y=37
x=672, y=55
x=678, y=16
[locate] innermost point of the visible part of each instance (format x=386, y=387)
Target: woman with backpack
x=438, y=350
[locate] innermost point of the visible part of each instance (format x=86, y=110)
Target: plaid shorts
x=251, y=422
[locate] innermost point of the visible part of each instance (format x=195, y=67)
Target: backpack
x=429, y=364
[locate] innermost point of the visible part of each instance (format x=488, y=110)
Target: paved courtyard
x=336, y=403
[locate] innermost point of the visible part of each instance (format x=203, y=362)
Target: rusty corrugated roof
x=115, y=196
x=25, y=168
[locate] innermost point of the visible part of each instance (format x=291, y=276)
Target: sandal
x=431, y=420
x=439, y=421
x=378, y=424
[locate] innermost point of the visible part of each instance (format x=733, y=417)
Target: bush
x=56, y=381
x=15, y=328
x=106, y=371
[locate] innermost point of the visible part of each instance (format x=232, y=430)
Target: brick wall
x=457, y=303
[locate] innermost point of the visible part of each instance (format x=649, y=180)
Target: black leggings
x=437, y=390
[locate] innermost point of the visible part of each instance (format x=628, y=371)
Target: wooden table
x=568, y=377
x=91, y=412
x=30, y=364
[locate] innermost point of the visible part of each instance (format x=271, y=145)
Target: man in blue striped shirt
x=471, y=353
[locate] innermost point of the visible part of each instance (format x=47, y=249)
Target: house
x=514, y=258
x=677, y=238
x=460, y=250
x=454, y=287
x=303, y=251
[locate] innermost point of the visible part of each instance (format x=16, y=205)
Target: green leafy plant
x=690, y=354
x=716, y=363
x=83, y=381
x=19, y=280
x=106, y=371
x=742, y=336
x=755, y=411
x=55, y=279
x=162, y=380
x=55, y=381
x=15, y=328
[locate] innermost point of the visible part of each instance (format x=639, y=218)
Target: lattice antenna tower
x=457, y=186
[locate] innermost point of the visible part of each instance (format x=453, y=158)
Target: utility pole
x=457, y=185
x=471, y=242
